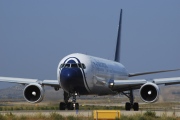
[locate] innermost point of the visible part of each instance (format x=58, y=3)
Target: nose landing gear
x=69, y=105
x=75, y=105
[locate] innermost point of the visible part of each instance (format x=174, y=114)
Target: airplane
x=81, y=74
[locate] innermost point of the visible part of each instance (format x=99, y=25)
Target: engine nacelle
x=34, y=93
x=149, y=92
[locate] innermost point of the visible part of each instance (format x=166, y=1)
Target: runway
x=86, y=113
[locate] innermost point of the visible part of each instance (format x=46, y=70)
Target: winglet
x=118, y=44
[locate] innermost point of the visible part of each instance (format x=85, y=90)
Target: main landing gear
x=69, y=105
x=131, y=104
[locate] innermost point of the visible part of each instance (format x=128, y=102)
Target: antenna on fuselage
x=118, y=44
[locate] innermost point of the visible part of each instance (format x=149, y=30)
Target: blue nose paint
x=72, y=79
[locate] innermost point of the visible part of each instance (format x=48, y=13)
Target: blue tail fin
x=118, y=44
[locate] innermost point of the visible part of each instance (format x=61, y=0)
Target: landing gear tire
x=62, y=106
x=136, y=106
x=70, y=106
x=128, y=106
x=131, y=104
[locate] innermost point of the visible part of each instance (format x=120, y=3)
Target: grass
x=154, y=106
x=39, y=116
x=149, y=115
x=93, y=105
x=56, y=107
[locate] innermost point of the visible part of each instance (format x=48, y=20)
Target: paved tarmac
x=85, y=113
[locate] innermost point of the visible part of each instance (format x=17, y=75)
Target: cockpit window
x=73, y=65
x=79, y=65
x=83, y=66
x=67, y=65
x=62, y=65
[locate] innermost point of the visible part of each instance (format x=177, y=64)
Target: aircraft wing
x=167, y=81
x=152, y=72
x=53, y=83
x=121, y=85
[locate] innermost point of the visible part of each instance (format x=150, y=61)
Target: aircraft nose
x=68, y=79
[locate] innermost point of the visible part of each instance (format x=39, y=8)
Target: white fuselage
x=88, y=75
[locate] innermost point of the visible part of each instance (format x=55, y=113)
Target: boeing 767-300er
x=80, y=74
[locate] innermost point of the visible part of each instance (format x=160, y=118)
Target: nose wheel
x=69, y=105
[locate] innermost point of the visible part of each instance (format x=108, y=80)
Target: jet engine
x=149, y=92
x=34, y=93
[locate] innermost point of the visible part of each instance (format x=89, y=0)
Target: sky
x=36, y=34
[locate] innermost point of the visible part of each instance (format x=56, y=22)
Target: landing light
x=111, y=84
